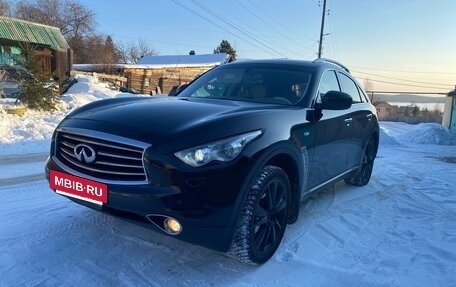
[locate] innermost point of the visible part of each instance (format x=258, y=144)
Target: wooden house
x=53, y=51
x=385, y=111
x=159, y=74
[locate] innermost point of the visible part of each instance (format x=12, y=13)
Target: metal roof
x=23, y=31
x=184, y=60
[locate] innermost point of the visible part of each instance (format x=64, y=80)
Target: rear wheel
x=365, y=171
x=263, y=218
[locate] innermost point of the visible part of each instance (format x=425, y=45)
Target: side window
x=349, y=87
x=363, y=94
x=328, y=83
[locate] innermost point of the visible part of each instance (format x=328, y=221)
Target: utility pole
x=320, y=44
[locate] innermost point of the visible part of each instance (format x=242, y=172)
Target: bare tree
x=131, y=52
x=5, y=8
x=75, y=21
x=71, y=17
x=97, y=49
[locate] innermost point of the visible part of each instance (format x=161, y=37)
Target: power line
x=408, y=92
x=399, y=84
x=268, y=24
x=401, y=79
x=246, y=33
x=399, y=71
x=276, y=21
x=219, y=26
x=257, y=33
x=333, y=32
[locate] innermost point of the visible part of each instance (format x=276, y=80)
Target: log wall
x=160, y=80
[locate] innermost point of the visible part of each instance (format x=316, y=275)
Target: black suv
x=226, y=163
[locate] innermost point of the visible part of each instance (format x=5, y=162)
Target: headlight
x=224, y=150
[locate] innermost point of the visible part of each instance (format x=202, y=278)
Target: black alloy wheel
x=365, y=171
x=263, y=217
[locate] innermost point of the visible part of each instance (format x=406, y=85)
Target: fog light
x=172, y=226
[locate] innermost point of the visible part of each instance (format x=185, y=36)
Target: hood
x=161, y=117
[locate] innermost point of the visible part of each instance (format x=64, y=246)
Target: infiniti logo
x=84, y=153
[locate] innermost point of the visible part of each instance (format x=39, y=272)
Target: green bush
x=35, y=95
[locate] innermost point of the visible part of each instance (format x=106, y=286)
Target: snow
x=167, y=61
x=399, y=230
x=426, y=133
x=31, y=133
x=184, y=60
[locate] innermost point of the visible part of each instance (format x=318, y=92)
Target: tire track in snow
x=333, y=225
x=12, y=162
x=15, y=159
x=21, y=179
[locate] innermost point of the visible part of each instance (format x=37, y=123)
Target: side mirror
x=335, y=100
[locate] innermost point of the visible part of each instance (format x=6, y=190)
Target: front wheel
x=263, y=219
x=365, y=171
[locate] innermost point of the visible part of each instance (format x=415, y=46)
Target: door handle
x=369, y=117
x=348, y=121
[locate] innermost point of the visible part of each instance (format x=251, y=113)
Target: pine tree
x=225, y=47
x=36, y=93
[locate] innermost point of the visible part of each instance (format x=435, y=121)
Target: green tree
x=36, y=92
x=225, y=47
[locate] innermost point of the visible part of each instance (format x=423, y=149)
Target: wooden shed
x=52, y=49
x=159, y=74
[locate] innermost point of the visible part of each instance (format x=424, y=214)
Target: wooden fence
x=118, y=81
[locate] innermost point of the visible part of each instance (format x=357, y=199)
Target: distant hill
x=401, y=98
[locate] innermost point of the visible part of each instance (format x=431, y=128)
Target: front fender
x=285, y=155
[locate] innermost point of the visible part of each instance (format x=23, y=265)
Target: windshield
x=278, y=85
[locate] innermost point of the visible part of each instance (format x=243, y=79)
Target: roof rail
x=332, y=62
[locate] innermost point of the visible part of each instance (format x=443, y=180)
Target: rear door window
x=349, y=87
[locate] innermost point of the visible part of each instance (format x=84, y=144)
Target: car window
x=363, y=94
x=349, y=87
x=256, y=84
x=328, y=83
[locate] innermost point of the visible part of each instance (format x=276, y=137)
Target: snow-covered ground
x=399, y=230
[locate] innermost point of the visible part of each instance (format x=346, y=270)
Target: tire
x=364, y=173
x=263, y=217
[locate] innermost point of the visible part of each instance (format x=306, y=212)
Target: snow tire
x=263, y=217
x=364, y=173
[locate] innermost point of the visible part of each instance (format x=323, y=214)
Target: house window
x=146, y=82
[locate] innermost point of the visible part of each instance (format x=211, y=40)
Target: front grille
x=114, y=161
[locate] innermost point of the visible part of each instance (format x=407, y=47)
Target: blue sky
x=409, y=43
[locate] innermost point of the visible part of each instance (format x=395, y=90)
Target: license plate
x=78, y=187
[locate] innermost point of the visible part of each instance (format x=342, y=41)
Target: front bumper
x=205, y=203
